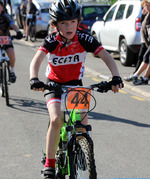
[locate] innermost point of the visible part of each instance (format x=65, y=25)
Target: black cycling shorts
x=146, y=57
x=28, y=21
x=55, y=97
x=9, y=46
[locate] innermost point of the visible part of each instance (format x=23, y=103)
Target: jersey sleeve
x=49, y=44
x=89, y=43
x=8, y=18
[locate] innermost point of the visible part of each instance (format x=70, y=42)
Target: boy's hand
x=19, y=35
x=36, y=84
x=116, y=83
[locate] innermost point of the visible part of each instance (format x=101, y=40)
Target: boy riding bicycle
x=67, y=49
x=5, y=23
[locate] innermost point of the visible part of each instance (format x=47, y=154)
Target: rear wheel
x=127, y=57
x=5, y=83
x=82, y=163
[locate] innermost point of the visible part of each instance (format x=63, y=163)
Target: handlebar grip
x=52, y=86
x=104, y=86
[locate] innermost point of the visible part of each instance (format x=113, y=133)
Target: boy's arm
x=35, y=83
x=35, y=63
x=15, y=27
x=19, y=33
x=109, y=61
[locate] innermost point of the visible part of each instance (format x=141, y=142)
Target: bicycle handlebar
x=14, y=37
x=101, y=87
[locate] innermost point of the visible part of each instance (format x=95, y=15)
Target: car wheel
x=126, y=55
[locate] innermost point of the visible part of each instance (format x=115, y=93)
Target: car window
x=15, y=2
x=129, y=11
x=120, y=12
x=110, y=14
x=93, y=12
x=44, y=10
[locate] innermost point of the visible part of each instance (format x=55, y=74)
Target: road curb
x=127, y=85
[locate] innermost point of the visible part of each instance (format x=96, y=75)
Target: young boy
x=5, y=23
x=67, y=49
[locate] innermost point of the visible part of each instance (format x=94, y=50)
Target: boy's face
x=67, y=28
x=1, y=8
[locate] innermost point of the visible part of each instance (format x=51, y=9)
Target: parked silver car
x=42, y=18
x=119, y=31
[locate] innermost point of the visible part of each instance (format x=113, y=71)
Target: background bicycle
x=4, y=67
x=75, y=154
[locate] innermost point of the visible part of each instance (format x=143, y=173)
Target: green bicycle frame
x=74, y=116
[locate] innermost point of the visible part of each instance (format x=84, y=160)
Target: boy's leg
x=11, y=54
x=142, y=67
x=147, y=72
x=53, y=133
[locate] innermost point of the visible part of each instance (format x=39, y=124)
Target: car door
x=109, y=32
x=118, y=27
x=106, y=33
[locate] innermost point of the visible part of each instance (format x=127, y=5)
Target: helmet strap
x=64, y=38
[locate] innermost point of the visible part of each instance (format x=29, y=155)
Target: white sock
x=134, y=75
x=144, y=78
x=12, y=69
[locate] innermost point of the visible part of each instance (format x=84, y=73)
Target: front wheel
x=5, y=83
x=82, y=163
x=61, y=161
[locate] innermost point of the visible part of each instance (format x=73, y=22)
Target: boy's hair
x=2, y=2
x=63, y=10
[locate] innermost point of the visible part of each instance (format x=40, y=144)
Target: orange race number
x=4, y=40
x=79, y=98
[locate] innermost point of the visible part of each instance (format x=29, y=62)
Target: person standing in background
x=142, y=59
x=23, y=9
x=31, y=16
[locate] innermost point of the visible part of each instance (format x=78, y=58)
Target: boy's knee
x=56, y=122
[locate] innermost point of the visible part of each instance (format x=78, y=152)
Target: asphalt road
x=120, y=125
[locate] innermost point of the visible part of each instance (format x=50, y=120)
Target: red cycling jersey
x=67, y=63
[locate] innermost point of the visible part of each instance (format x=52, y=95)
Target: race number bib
x=77, y=98
x=4, y=40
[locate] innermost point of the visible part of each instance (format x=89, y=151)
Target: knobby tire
x=60, y=157
x=2, y=87
x=4, y=83
x=82, y=163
